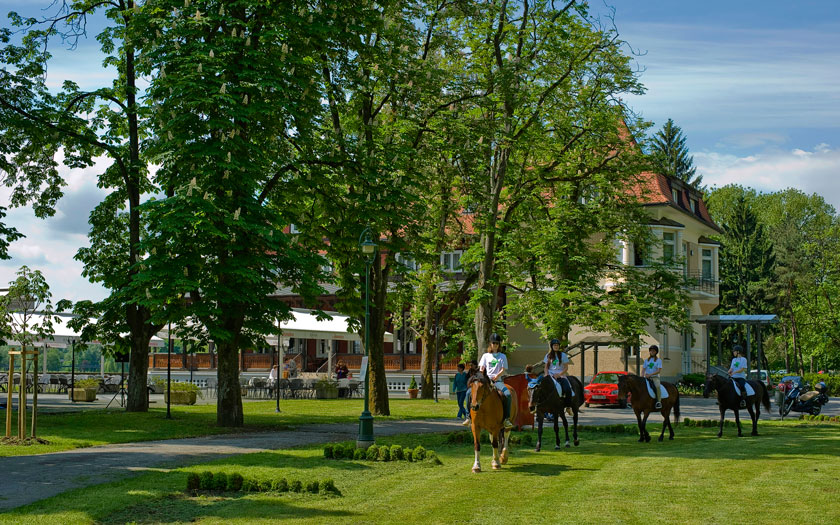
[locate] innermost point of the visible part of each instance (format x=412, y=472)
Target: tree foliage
x=670, y=155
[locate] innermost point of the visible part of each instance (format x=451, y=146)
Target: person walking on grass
x=460, y=388
x=651, y=370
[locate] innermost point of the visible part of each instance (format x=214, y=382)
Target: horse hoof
x=661, y=439
x=670, y=438
x=496, y=466
x=647, y=439
x=504, y=457
x=537, y=449
x=755, y=433
x=720, y=434
x=568, y=445
x=557, y=447
x=641, y=440
x=577, y=442
x=476, y=470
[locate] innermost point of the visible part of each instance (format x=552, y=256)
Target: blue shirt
x=460, y=383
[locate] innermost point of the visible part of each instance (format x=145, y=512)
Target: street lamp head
x=366, y=243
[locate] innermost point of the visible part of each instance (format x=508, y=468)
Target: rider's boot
x=506, y=405
x=467, y=421
x=743, y=398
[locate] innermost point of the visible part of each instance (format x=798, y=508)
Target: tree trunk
x=427, y=382
x=376, y=347
x=229, y=397
x=138, y=370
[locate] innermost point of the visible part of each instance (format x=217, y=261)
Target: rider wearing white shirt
x=652, y=368
x=493, y=364
x=738, y=372
x=556, y=366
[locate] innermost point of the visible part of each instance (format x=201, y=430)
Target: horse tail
x=765, y=396
x=677, y=408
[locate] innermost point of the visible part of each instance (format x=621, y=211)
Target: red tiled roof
x=655, y=189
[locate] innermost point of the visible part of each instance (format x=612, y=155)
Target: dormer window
x=693, y=204
x=675, y=193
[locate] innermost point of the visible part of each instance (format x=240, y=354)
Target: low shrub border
x=222, y=482
x=380, y=453
x=820, y=418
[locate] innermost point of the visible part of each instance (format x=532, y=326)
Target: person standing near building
x=494, y=363
x=651, y=370
x=459, y=385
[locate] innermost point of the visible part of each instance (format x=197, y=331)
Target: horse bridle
x=476, y=406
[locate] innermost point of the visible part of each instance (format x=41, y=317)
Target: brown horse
x=486, y=412
x=643, y=403
x=544, y=398
x=729, y=400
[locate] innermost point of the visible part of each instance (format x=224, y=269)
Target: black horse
x=729, y=400
x=545, y=399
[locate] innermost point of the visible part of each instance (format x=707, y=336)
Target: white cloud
x=814, y=171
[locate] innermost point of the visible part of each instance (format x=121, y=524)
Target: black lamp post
x=437, y=353
x=368, y=248
x=72, y=369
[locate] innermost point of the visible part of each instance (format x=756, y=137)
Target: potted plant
x=183, y=394
x=412, y=389
x=85, y=390
x=326, y=389
x=157, y=384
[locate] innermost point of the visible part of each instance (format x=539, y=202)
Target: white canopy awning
x=63, y=334
x=305, y=325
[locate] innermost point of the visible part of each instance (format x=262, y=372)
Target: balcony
x=697, y=281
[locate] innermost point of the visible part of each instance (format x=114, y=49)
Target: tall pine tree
x=670, y=155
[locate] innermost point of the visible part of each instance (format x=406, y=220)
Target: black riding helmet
x=495, y=338
x=553, y=342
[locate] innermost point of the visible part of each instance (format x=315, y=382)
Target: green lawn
x=790, y=473
x=100, y=427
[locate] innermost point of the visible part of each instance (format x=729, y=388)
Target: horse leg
x=477, y=442
x=644, y=426
x=495, y=463
x=738, y=421
x=505, y=441
x=722, y=416
x=574, y=425
x=565, y=428
x=754, y=418
x=540, y=419
x=641, y=427
x=670, y=426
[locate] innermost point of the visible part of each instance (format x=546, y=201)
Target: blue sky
x=755, y=86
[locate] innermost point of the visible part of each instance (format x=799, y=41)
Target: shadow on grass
x=543, y=469
x=183, y=509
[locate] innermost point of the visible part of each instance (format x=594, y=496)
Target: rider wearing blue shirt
x=738, y=372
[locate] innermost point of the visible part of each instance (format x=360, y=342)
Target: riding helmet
x=553, y=342
x=495, y=338
x=738, y=348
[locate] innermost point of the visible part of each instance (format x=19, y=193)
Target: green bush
x=832, y=382
x=396, y=452
x=528, y=439
x=265, y=485
x=384, y=453
x=313, y=487
x=412, y=385
x=206, y=481
x=234, y=482
x=328, y=487
x=87, y=383
x=193, y=482
x=328, y=451
x=280, y=485
x=694, y=380
x=372, y=453
x=296, y=486
x=408, y=455
x=349, y=450
x=220, y=481
x=250, y=485
x=419, y=453
x=338, y=452
x=358, y=454
x=432, y=458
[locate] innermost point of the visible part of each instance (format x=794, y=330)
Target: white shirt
x=738, y=363
x=555, y=367
x=272, y=374
x=493, y=364
x=652, y=365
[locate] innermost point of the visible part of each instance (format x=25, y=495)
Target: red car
x=603, y=390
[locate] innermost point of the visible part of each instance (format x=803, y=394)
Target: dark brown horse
x=545, y=399
x=486, y=412
x=644, y=404
x=729, y=400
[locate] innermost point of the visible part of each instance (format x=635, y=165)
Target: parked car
x=760, y=375
x=603, y=390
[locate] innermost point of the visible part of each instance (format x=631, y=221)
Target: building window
x=296, y=345
x=676, y=195
x=668, y=247
x=356, y=347
x=451, y=261
x=406, y=260
x=293, y=228
x=693, y=203
x=638, y=256
x=706, y=263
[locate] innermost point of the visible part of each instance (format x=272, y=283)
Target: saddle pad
x=560, y=388
x=662, y=391
x=750, y=391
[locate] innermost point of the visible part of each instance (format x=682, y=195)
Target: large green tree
x=670, y=155
x=38, y=123
x=232, y=86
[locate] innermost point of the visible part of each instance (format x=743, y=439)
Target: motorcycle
x=799, y=399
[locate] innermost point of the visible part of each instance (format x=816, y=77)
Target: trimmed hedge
x=235, y=482
x=380, y=453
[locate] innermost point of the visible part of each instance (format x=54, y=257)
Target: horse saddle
x=749, y=388
x=662, y=390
